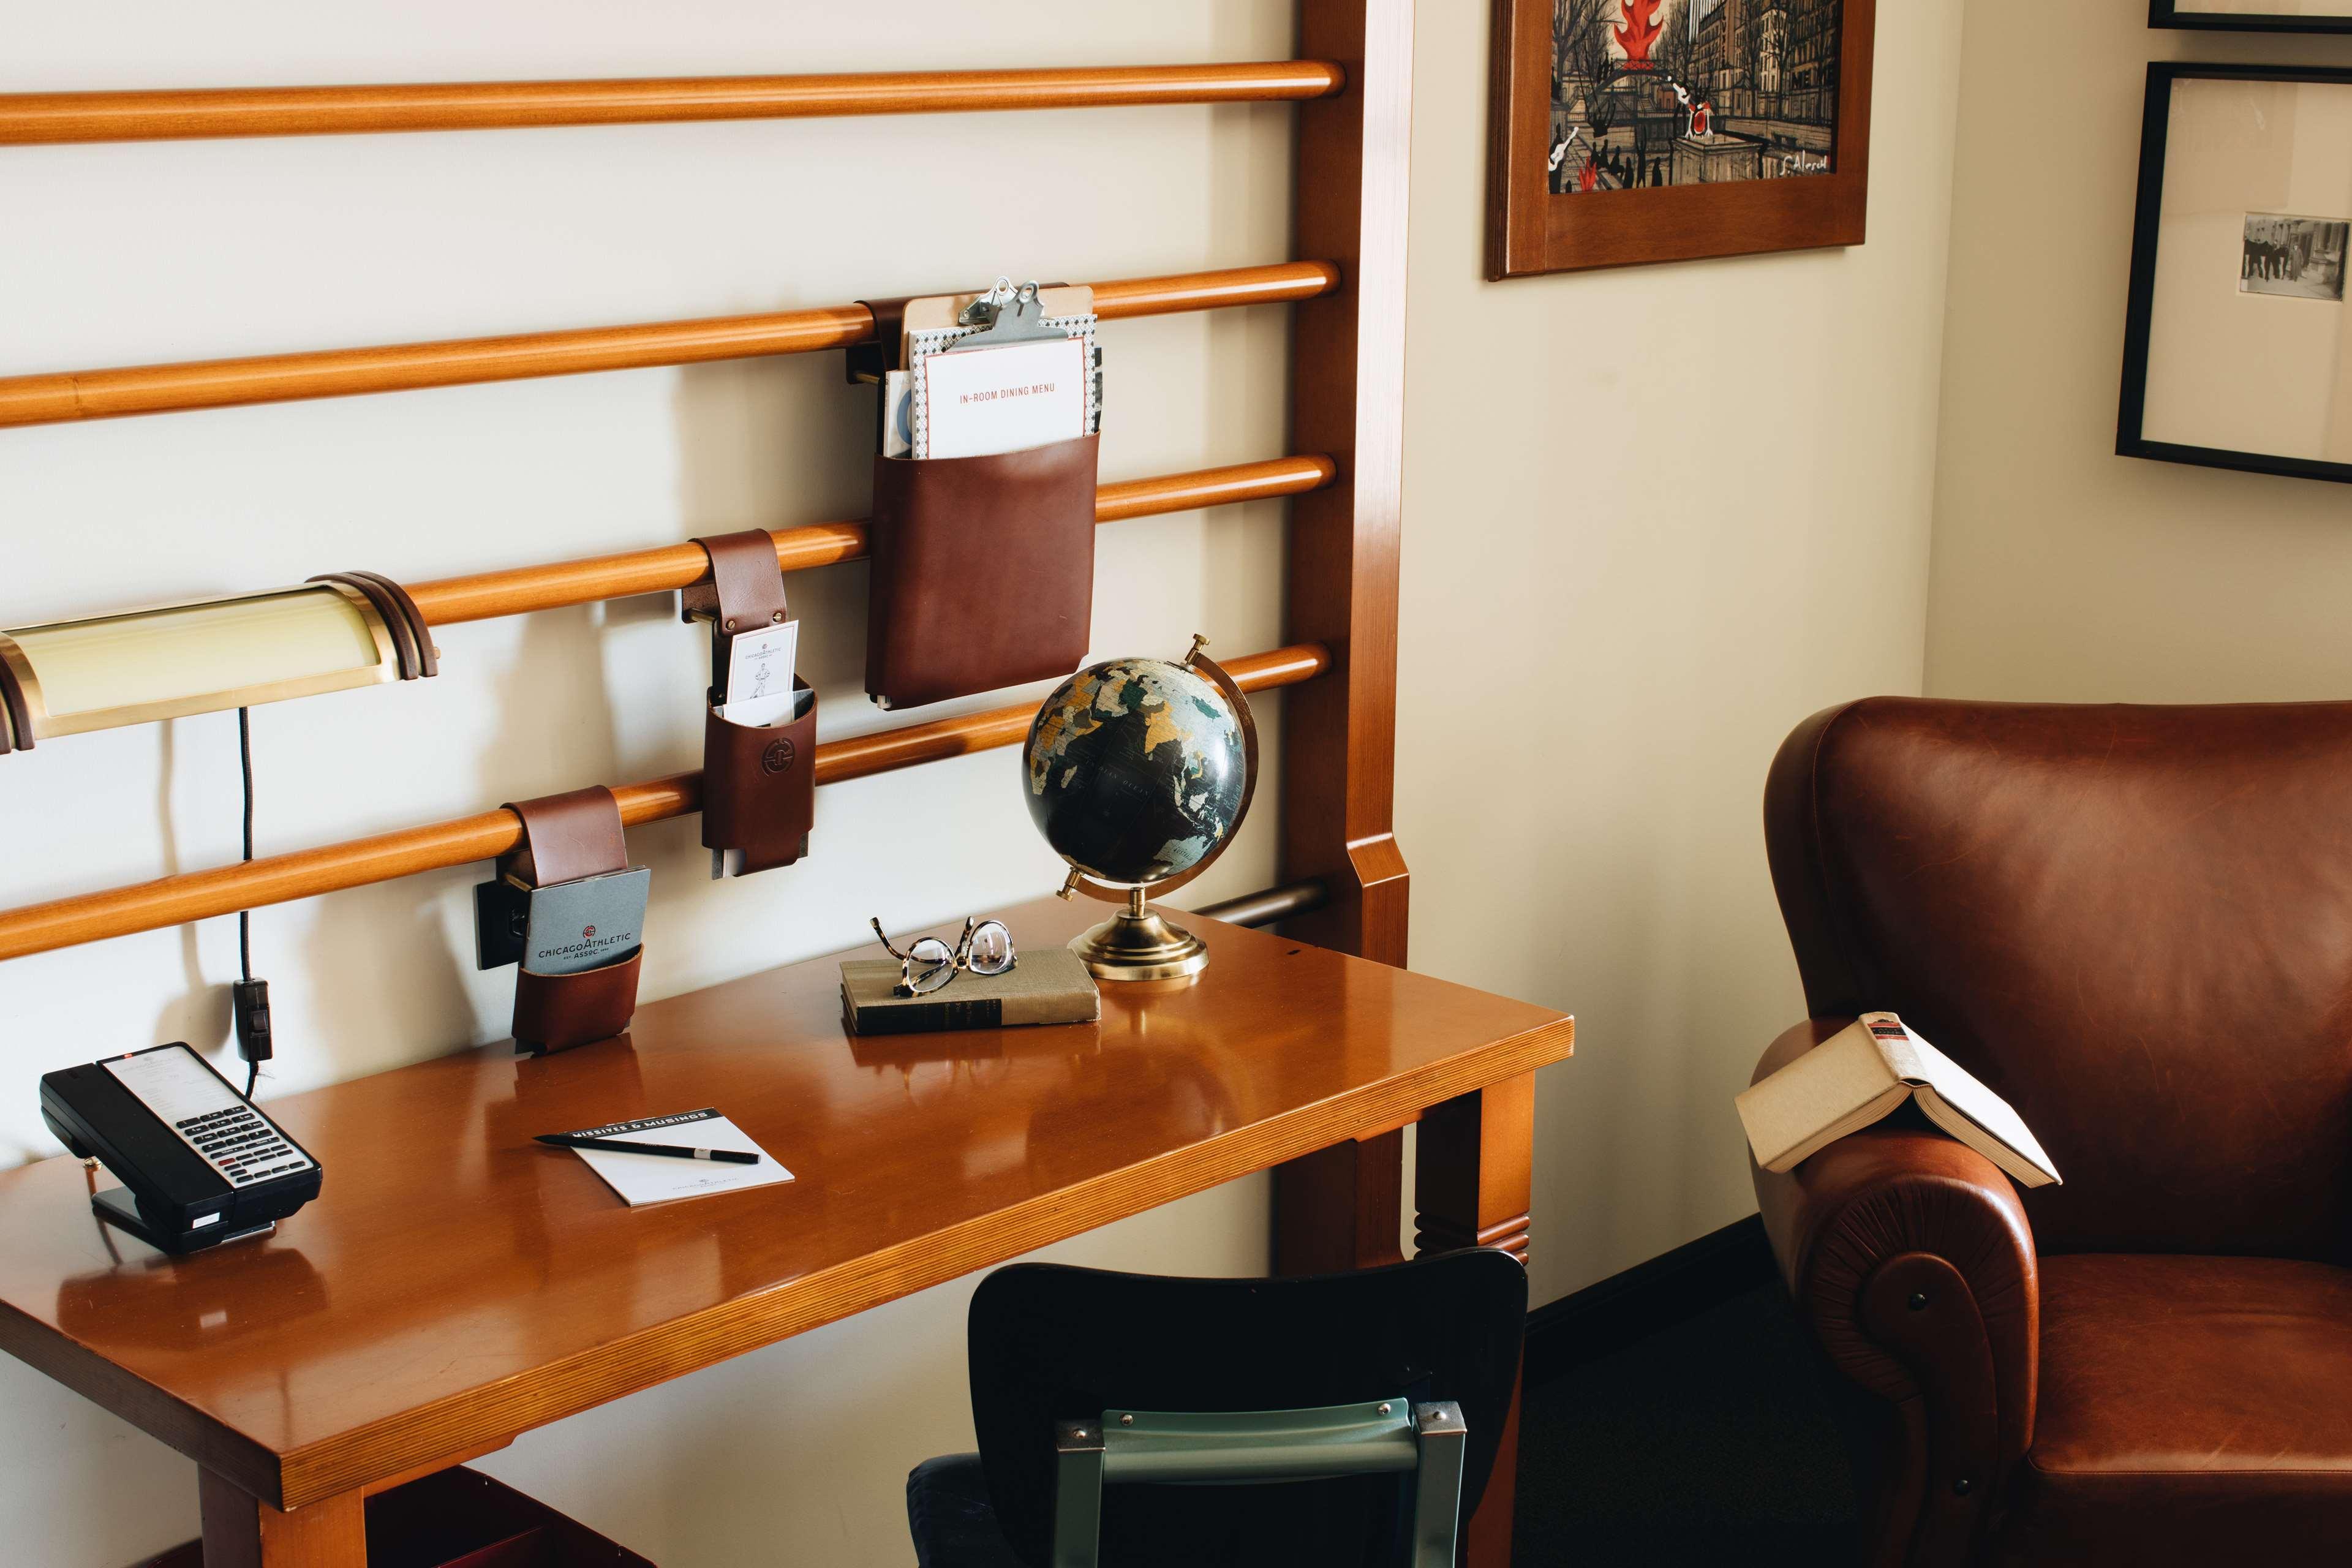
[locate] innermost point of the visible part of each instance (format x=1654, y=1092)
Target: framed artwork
x=1631, y=130
x=2253, y=16
x=2237, y=338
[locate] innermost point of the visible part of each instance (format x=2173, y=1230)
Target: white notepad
x=658, y=1178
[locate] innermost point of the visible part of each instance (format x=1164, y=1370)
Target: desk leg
x=242, y=1531
x=1473, y=1187
x=1336, y=1208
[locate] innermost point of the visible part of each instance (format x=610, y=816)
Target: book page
x=1839, y=1086
x=1959, y=1090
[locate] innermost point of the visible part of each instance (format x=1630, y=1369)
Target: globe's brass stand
x=1137, y=944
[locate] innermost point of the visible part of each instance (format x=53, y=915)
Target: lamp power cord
x=250, y=996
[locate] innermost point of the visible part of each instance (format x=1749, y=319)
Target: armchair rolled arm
x=1910, y=1255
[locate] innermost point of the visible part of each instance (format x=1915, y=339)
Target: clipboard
x=963, y=323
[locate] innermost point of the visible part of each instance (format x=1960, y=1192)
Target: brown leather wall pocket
x=757, y=781
x=983, y=571
x=565, y=838
x=758, y=785
x=556, y=1012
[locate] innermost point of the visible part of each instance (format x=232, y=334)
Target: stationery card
x=760, y=674
x=640, y=1179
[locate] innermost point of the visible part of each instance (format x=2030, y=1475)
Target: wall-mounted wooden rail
x=280, y=878
x=56, y=396
x=523, y=589
x=1268, y=905
x=32, y=117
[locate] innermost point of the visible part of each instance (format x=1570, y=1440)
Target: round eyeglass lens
x=933, y=965
x=992, y=947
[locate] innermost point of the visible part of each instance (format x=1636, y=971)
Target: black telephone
x=199, y=1163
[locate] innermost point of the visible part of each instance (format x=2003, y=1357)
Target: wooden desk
x=455, y=1285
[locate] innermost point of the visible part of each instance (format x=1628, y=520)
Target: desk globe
x=1139, y=772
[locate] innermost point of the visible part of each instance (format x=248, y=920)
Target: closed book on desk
x=1047, y=987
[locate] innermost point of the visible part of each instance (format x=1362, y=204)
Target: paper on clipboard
x=1004, y=400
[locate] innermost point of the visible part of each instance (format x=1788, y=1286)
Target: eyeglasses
x=985, y=947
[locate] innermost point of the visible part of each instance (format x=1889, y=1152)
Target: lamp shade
x=177, y=660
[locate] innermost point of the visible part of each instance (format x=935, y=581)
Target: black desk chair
x=1379, y=1395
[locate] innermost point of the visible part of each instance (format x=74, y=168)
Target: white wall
x=1655, y=517
x=2063, y=572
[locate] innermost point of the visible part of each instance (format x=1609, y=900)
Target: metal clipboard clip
x=1005, y=315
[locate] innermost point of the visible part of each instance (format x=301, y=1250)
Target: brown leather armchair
x=2135, y=923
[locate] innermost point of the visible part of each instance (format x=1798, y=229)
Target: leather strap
x=874, y=359
x=567, y=837
x=16, y=720
x=428, y=658
x=386, y=609
x=745, y=589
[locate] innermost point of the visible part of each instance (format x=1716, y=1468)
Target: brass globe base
x=1137, y=944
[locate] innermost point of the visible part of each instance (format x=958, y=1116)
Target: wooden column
x=242, y=1531
x=1339, y=1208
x=1472, y=1188
x=1347, y=397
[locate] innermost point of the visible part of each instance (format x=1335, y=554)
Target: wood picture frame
x=2200, y=394
x=2171, y=14
x=1689, y=197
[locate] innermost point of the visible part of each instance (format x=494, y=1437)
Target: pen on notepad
x=622, y=1146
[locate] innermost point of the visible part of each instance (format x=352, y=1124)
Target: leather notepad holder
x=983, y=571
x=759, y=782
x=565, y=838
x=983, y=568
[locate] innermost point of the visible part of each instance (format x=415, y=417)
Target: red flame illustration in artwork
x=1639, y=33
x=1588, y=178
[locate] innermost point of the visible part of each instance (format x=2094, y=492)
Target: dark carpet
x=1709, y=1441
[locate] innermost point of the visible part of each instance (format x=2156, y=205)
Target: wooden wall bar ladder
x=306, y=873
x=57, y=396
x=158, y=116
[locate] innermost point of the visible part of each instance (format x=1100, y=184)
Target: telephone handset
x=200, y=1165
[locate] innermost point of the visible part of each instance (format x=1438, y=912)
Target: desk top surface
x=454, y=1283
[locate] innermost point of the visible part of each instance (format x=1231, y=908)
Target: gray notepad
x=578, y=926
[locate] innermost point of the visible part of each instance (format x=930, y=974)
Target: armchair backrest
x=2134, y=922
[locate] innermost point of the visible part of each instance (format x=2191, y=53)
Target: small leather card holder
x=759, y=786
x=759, y=782
x=983, y=571
x=566, y=838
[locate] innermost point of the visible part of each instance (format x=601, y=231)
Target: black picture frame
x=2168, y=13
x=2156, y=125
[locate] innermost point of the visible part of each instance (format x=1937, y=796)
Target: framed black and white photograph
x=2238, y=339
x=2253, y=16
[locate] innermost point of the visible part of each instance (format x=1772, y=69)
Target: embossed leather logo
x=778, y=757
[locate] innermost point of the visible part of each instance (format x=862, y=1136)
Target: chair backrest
x=1388, y=1437
x=2133, y=922
x=1052, y=1345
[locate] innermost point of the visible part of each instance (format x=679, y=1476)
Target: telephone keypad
x=244, y=1147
